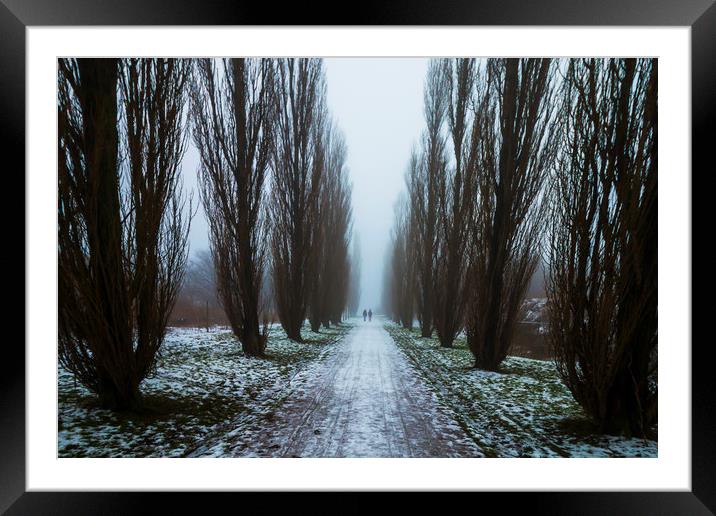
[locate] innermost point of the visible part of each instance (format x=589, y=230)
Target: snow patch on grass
x=203, y=381
x=522, y=411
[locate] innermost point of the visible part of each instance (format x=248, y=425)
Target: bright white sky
x=378, y=103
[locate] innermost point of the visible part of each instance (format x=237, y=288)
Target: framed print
x=421, y=253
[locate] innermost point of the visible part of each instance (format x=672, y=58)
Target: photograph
x=422, y=249
x=357, y=257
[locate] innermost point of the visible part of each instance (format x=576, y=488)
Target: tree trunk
x=118, y=384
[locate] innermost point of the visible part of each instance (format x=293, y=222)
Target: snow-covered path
x=366, y=401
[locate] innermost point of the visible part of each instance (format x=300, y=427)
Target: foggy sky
x=377, y=103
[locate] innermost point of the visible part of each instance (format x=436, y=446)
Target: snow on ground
x=202, y=381
x=365, y=400
x=522, y=411
x=332, y=396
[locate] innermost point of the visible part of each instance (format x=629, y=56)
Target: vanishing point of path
x=365, y=401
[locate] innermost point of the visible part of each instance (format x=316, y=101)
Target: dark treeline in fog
x=529, y=161
x=296, y=188
x=275, y=188
x=273, y=182
x=311, y=203
x=198, y=301
x=354, y=288
x=331, y=272
x=400, y=272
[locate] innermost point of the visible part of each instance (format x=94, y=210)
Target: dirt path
x=366, y=401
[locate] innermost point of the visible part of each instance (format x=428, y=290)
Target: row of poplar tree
x=529, y=160
x=272, y=180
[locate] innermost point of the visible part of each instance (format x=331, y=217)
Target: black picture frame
x=700, y=15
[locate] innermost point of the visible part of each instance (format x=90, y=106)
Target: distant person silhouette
x=365, y=313
x=370, y=314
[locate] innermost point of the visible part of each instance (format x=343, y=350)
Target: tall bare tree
x=331, y=276
x=401, y=266
x=296, y=187
x=122, y=227
x=424, y=184
x=456, y=201
x=516, y=146
x=233, y=113
x=354, y=291
x=316, y=277
x=602, y=284
x=338, y=225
